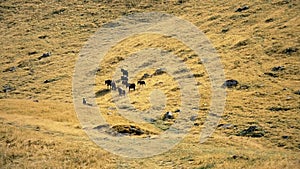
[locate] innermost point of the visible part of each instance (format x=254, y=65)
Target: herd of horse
x=111, y=84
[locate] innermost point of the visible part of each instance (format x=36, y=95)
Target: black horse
x=108, y=83
x=141, y=82
x=131, y=86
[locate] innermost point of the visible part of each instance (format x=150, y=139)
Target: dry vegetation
x=38, y=123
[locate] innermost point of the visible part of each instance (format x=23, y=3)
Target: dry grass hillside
x=258, y=44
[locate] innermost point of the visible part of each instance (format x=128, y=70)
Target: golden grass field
x=47, y=133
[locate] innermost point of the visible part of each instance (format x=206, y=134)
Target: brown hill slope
x=250, y=42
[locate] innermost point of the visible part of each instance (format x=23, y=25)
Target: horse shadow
x=102, y=92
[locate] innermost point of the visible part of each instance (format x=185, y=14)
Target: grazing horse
x=124, y=78
x=125, y=82
x=121, y=91
x=125, y=72
x=141, y=82
x=113, y=85
x=131, y=86
x=108, y=83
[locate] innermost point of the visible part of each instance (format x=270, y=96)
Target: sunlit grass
x=47, y=133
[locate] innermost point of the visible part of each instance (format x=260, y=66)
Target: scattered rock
x=122, y=130
x=181, y=71
x=146, y=75
x=159, y=71
x=36, y=100
x=283, y=2
x=198, y=74
x=214, y=17
x=128, y=130
x=177, y=111
x=45, y=55
x=226, y=126
x=230, y=83
x=289, y=98
x=49, y=80
x=37, y=128
x=252, y=131
x=25, y=63
x=43, y=37
x=269, y=20
x=241, y=43
x=181, y=1
x=282, y=27
x=224, y=30
x=32, y=53
x=235, y=157
x=278, y=68
x=100, y=127
x=286, y=137
x=193, y=118
x=57, y=12
x=8, y=88
x=239, y=16
x=297, y=92
x=271, y=50
x=111, y=25
x=271, y=74
x=243, y=8
x=196, y=124
x=290, y=50
x=281, y=144
x=97, y=70
x=10, y=69
x=244, y=87
x=279, y=108
x=150, y=120
x=93, y=72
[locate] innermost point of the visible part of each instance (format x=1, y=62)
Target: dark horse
x=124, y=80
x=113, y=85
x=121, y=91
x=125, y=72
x=131, y=86
x=141, y=82
x=108, y=83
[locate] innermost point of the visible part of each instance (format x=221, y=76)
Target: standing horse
x=141, y=82
x=113, y=85
x=125, y=72
x=121, y=92
x=108, y=83
x=131, y=86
